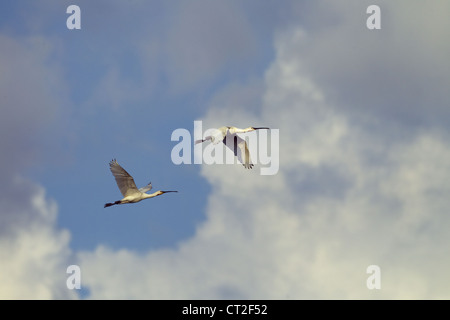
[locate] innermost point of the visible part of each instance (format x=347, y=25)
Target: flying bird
x=239, y=146
x=125, y=182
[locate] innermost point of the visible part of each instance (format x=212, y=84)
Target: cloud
x=28, y=103
x=348, y=194
x=363, y=174
x=207, y=39
x=33, y=251
x=342, y=53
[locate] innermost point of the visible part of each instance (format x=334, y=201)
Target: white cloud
x=35, y=254
x=348, y=194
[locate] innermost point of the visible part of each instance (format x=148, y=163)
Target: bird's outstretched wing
x=124, y=181
x=240, y=150
x=146, y=188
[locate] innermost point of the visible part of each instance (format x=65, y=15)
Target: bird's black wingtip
x=112, y=162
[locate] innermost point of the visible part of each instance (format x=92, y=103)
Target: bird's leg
x=111, y=204
x=202, y=140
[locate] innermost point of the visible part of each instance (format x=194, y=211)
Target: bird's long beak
x=261, y=128
x=168, y=191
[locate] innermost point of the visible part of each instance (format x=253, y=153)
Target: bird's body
x=125, y=182
x=238, y=146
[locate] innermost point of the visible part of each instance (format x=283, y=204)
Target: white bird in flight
x=125, y=182
x=239, y=146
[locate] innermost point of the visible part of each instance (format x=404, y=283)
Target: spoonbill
x=125, y=182
x=239, y=147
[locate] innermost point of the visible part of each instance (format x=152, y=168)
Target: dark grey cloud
x=37, y=252
x=29, y=108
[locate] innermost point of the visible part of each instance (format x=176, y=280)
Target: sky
x=364, y=154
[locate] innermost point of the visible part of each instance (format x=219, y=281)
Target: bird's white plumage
x=228, y=135
x=125, y=182
x=242, y=153
x=147, y=188
x=218, y=135
x=239, y=147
